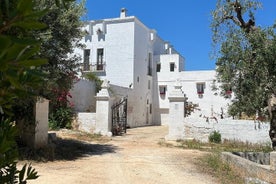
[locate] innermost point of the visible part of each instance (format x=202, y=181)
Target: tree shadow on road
x=66, y=149
x=70, y=149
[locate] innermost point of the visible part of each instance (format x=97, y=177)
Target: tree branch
x=247, y=26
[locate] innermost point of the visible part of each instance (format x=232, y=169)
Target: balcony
x=94, y=67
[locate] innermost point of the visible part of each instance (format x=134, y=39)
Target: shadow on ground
x=69, y=149
x=66, y=149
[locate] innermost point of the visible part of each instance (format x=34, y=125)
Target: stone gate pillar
x=176, y=113
x=35, y=134
x=41, y=118
x=103, y=110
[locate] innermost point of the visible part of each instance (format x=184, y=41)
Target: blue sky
x=184, y=23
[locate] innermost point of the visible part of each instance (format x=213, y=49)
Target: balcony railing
x=94, y=67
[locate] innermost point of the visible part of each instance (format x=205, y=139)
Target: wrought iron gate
x=119, y=117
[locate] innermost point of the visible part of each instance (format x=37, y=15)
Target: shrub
x=61, y=118
x=9, y=173
x=215, y=137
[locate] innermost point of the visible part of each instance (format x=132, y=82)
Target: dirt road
x=135, y=158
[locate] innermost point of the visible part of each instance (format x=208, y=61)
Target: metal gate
x=119, y=117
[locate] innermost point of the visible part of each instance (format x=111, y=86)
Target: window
x=172, y=67
x=100, y=62
x=162, y=90
x=150, y=64
x=86, y=57
x=158, y=67
x=200, y=88
x=150, y=108
x=149, y=84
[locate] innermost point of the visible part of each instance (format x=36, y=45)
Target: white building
x=140, y=65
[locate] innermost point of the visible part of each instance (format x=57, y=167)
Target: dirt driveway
x=133, y=158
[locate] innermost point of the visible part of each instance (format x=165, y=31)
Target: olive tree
x=245, y=58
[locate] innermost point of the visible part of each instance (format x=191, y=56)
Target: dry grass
x=213, y=165
x=81, y=136
x=227, y=145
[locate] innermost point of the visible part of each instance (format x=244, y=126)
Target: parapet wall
x=250, y=169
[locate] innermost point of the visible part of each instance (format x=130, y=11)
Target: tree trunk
x=272, y=113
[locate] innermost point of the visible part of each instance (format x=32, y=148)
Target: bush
x=215, y=137
x=61, y=118
x=9, y=173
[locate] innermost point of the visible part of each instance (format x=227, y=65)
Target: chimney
x=123, y=13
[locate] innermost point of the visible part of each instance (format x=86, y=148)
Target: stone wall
x=241, y=130
x=83, y=96
x=250, y=169
x=86, y=121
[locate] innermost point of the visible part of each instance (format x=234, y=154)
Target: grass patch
x=227, y=145
x=81, y=136
x=191, y=144
x=231, y=146
x=165, y=143
x=213, y=165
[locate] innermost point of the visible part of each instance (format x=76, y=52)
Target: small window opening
x=172, y=66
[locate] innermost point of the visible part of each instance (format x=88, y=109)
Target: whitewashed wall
x=117, y=41
x=141, y=98
x=86, y=121
x=209, y=105
x=241, y=130
x=83, y=96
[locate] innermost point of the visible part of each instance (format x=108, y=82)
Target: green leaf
x=25, y=6
x=13, y=80
x=37, y=14
x=33, y=62
x=29, y=53
x=5, y=42
x=58, y=3
x=24, y=41
x=22, y=173
x=3, y=61
x=32, y=25
x=14, y=50
x=31, y=173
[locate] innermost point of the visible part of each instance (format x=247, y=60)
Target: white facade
x=210, y=103
x=131, y=56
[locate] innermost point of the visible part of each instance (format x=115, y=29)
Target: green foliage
x=245, y=55
x=20, y=77
x=61, y=118
x=18, y=72
x=8, y=154
x=215, y=137
x=94, y=78
x=58, y=43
